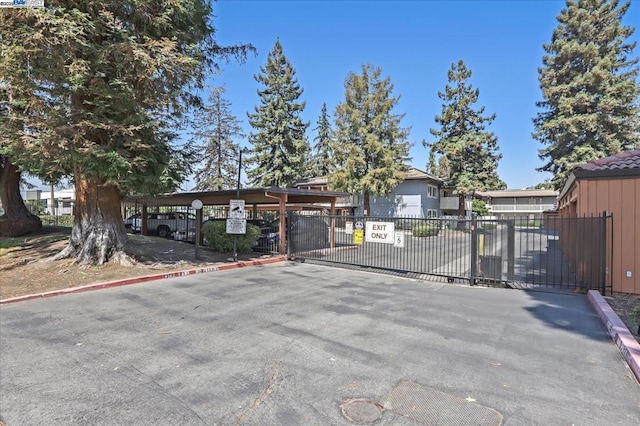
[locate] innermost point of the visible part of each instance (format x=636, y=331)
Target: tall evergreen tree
x=438, y=165
x=323, y=162
x=100, y=82
x=280, y=146
x=589, y=86
x=469, y=149
x=216, y=128
x=371, y=146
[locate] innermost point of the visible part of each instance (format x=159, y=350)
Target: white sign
x=398, y=241
x=348, y=228
x=196, y=204
x=380, y=232
x=236, y=226
x=236, y=209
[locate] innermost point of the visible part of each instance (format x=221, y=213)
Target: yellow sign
x=358, y=236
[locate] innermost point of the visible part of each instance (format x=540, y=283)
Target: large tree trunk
x=17, y=219
x=98, y=233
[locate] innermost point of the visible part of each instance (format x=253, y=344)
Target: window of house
x=432, y=213
x=432, y=191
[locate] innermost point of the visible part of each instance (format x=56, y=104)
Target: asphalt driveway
x=287, y=344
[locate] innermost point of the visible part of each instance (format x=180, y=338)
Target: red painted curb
x=627, y=344
x=144, y=278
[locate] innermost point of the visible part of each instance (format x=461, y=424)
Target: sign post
x=196, y=204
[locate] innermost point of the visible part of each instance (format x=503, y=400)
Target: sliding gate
x=559, y=253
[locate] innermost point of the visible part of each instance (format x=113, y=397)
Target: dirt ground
x=26, y=268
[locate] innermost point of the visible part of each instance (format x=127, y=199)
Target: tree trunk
x=367, y=202
x=17, y=219
x=98, y=233
x=461, y=212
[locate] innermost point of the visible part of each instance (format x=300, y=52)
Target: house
x=519, y=203
x=64, y=200
x=610, y=185
x=418, y=195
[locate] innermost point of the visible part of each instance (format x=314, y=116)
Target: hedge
x=216, y=234
x=425, y=231
x=50, y=220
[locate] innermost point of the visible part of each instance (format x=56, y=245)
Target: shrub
x=50, y=220
x=425, y=231
x=487, y=226
x=216, y=234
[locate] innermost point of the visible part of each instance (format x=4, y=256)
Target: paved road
x=288, y=343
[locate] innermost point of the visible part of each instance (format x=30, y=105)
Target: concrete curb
x=627, y=344
x=144, y=278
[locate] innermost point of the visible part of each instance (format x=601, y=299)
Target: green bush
x=50, y=220
x=487, y=226
x=425, y=231
x=216, y=234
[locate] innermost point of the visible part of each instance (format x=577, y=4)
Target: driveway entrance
x=292, y=343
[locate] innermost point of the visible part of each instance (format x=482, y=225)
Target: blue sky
x=415, y=43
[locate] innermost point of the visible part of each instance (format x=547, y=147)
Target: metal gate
x=558, y=253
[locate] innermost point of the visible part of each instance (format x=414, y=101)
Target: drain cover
x=431, y=407
x=361, y=411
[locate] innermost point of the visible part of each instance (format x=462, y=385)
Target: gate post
x=603, y=254
x=511, y=249
x=474, y=249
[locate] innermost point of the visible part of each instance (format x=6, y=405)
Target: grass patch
x=46, y=235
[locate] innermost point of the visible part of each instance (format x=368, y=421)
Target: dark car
x=309, y=232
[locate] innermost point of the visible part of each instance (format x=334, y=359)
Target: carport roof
x=271, y=195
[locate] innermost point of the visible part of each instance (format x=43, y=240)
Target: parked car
x=165, y=224
x=128, y=222
x=309, y=232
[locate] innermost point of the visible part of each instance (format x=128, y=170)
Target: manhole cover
x=361, y=411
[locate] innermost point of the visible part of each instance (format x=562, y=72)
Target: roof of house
x=622, y=164
x=512, y=193
x=627, y=160
x=411, y=174
x=417, y=174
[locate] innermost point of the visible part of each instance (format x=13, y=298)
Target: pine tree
x=103, y=84
x=462, y=139
x=438, y=166
x=216, y=128
x=590, y=108
x=323, y=162
x=280, y=146
x=371, y=146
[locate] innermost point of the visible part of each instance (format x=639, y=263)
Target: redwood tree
x=17, y=220
x=98, y=88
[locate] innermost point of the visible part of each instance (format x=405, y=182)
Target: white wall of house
x=65, y=200
x=411, y=198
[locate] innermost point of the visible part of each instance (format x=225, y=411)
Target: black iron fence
x=435, y=247
x=558, y=253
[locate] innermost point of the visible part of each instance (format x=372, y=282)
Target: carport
x=282, y=199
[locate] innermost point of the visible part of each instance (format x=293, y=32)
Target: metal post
x=511, y=249
x=235, y=236
x=474, y=249
x=603, y=254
